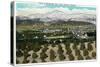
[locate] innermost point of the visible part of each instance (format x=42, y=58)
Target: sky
x=26, y=8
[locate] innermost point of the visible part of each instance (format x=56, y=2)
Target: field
x=46, y=42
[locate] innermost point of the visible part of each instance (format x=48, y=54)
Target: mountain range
x=56, y=15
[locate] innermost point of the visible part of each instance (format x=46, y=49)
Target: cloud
x=30, y=5
x=27, y=8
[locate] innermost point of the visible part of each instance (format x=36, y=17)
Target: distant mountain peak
x=57, y=15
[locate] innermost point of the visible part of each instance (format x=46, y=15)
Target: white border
x=77, y=4
x=42, y=63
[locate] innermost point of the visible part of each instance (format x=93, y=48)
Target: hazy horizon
x=24, y=9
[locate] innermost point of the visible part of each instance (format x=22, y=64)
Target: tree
x=71, y=57
x=61, y=57
x=94, y=54
x=89, y=47
x=87, y=57
x=34, y=55
x=80, y=57
x=82, y=46
x=19, y=53
x=52, y=55
x=36, y=47
x=60, y=50
x=25, y=61
x=26, y=54
x=74, y=46
x=85, y=52
x=45, y=48
x=34, y=61
x=43, y=56
x=69, y=51
x=77, y=52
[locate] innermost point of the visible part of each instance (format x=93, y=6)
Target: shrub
x=60, y=51
x=52, y=55
x=29, y=46
x=26, y=54
x=77, y=52
x=82, y=46
x=45, y=49
x=53, y=45
x=87, y=57
x=67, y=47
x=71, y=57
x=89, y=47
x=85, y=52
x=43, y=56
x=17, y=62
x=94, y=54
x=43, y=60
x=36, y=48
x=25, y=61
x=74, y=46
x=80, y=57
x=19, y=53
x=61, y=57
x=34, y=55
x=34, y=61
x=69, y=51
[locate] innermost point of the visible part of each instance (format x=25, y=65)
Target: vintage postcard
x=52, y=32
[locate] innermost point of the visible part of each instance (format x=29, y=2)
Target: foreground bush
x=43, y=56
x=77, y=52
x=80, y=57
x=94, y=54
x=69, y=51
x=87, y=57
x=82, y=46
x=34, y=55
x=61, y=57
x=19, y=54
x=85, y=52
x=60, y=50
x=45, y=48
x=71, y=57
x=25, y=61
x=89, y=47
x=36, y=47
x=52, y=55
x=34, y=61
